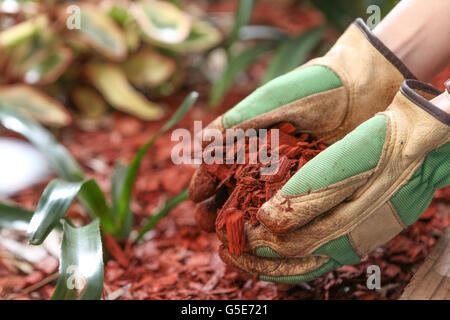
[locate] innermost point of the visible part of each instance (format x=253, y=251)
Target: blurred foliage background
x=60, y=58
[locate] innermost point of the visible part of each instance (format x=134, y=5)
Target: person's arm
x=417, y=32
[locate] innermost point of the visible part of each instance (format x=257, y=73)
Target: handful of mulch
x=246, y=189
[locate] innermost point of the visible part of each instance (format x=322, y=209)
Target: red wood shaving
x=248, y=189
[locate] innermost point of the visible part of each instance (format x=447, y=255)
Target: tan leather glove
x=355, y=195
x=327, y=97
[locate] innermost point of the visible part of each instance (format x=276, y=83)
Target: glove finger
x=312, y=97
x=332, y=177
x=205, y=215
x=284, y=213
x=349, y=232
x=317, y=237
x=206, y=211
x=203, y=185
x=302, y=96
x=262, y=242
x=279, y=270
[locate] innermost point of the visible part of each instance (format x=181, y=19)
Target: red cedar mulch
x=178, y=260
x=246, y=188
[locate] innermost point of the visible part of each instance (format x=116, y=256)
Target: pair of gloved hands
x=377, y=176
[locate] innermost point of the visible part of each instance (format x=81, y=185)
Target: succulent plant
x=91, y=54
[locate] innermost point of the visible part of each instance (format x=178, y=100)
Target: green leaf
x=81, y=264
x=132, y=36
x=120, y=13
x=236, y=64
x=90, y=195
x=23, y=31
x=118, y=182
x=187, y=104
x=100, y=31
x=111, y=81
x=203, y=36
x=292, y=53
x=40, y=60
x=60, y=158
x=43, y=67
x=89, y=102
x=56, y=200
x=13, y=217
x=161, y=21
x=242, y=17
x=35, y=104
x=125, y=197
x=154, y=219
x=93, y=200
x=148, y=68
x=339, y=13
x=261, y=33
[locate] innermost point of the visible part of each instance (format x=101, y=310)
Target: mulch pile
x=246, y=187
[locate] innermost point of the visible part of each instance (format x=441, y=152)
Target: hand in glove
x=355, y=195
x=327, y=97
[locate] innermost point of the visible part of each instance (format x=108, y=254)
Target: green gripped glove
x=327, y=97
x=355, y=195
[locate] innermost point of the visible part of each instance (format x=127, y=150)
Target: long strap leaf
x=236, y=64
x=81, y=264
x=90, y=196
x=117, y=184
x=60, y=158
x=125, y=197
x=56, y=200
x=243, y=14
x=12, y=217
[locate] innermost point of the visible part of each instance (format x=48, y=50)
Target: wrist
x=412, y=32
x=442, y=102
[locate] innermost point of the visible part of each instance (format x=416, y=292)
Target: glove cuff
x=408, y=90
x=385, y=51
x=370, y=72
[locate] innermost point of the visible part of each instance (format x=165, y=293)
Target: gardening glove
x=327, y=97
x=355, y=195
